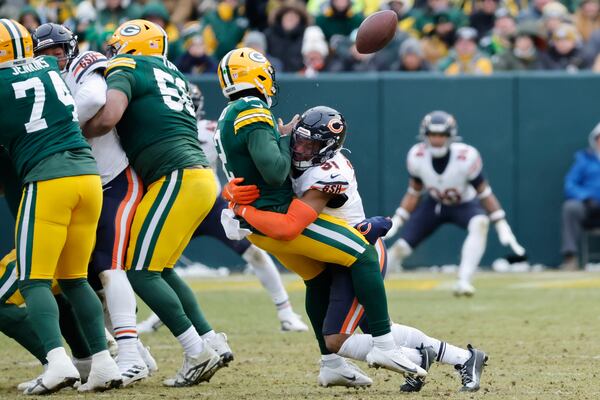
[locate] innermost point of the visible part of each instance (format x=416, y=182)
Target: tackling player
x=147, y=100
x=456, y=191
x=122, y=190
x=59, y=210
x=251, y=146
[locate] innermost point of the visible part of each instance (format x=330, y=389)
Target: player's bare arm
x=108, y=116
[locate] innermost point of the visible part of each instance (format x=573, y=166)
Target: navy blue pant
x=211, y=226
x=120, y=198
x=345, y=313
x=431, y=214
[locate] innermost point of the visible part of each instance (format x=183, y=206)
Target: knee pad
x=255, y=256
x=479, y=225
x=400, y=250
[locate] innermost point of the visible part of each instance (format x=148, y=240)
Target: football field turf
x=539, y=329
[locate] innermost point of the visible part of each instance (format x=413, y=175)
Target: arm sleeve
x=573, y=181
x=90, y=97
x=121, y=81
x=280, y=226
x=272, y=158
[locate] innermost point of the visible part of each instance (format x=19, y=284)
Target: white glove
x=400, y=216
x=231, y=225
x=507, y=237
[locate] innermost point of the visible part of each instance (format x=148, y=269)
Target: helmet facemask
x=309, y=150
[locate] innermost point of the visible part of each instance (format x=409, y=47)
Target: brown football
x=376, y=31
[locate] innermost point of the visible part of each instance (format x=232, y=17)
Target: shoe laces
x=465, y=376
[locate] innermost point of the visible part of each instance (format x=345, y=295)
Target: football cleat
x=150, y=324
x=462, y=288
x=60, y=373
x=394, y=360
x=147, y=357
x=104, y=374
x=219, y=344
x=133, y=373
x=24, y=385
x=415, y=383
x=290, y=321
x=470, y=371
x=347, y=374
x=196, y=369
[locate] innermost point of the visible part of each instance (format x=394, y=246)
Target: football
x=376, y=31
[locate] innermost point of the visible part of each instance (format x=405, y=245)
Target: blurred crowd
x=450, y=36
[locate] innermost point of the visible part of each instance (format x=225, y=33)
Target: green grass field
x=540, y=331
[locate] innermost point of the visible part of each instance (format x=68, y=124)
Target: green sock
x=370, y=291
x=15, y=324
x=316, y=303
x=87, y=309
x=190, y=304
x=161, y=299
x=42, y=311
x=71, y=330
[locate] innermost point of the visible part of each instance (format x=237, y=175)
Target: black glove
x=374, y=227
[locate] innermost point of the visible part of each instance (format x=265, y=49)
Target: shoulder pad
x=120, y=62
x=86, y=63
x=415, y=154
x=327, y=180
x=250, y=112
x=469, y=157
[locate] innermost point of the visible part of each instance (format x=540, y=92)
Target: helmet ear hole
x=262, y=78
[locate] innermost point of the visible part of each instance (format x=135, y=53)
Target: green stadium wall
x=526, y=126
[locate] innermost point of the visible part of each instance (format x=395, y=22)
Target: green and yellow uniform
x=158, y=132
x=250, y=146
x=62, y=194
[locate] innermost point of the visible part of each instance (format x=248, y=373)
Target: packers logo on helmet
x=245, y=68
x=15, y=43
x=138, y=37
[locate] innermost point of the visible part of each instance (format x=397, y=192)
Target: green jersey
x=250, y=146
x=158, y=129
x=38, y=123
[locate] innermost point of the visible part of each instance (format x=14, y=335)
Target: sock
x=188, y=300
x=42, y=311
x=317, y=302
x=358, y=346
x=120, y=302
x=161, y=299
x=452, y=355
x=71, y=329
x=267, y=274
x=15, y=324
x=191, y=342
x=88, y=310
x=370, y=292
x=473, y=248
x=208, y=335
x=384, y=342
x=332, y=360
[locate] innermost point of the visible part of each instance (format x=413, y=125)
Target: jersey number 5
x=36, y=122
x=176, y=98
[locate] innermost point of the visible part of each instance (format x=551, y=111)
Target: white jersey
x=335, y=176
x=206, y=137
x=88, y=87
x=453, y=185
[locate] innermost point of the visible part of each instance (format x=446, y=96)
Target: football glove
x=373, y=228
x=507, y=237
x=399, y=218
x=240, y=194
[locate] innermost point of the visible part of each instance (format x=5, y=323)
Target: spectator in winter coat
x=565, y=51
x=256, y=40
x=582, y=192
x=223, y=28
x=466, y=57
x=521, y=56
x=533, y=12
x=338, y=18
x=195, y=59
x=483, y=17
x=285, y=34
x=411, y=57
x=346, y=58
x=157, y=13
x=587, y=18
x=315, y=52
x=500, y=38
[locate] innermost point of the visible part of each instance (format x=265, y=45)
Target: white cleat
x=150, y=324
x=147, y=357
x=394, y=360
x=219, y=344
x=83, y=365
x=104, y=374
x=196, y=369
x=24, y=385
x=290, y=321
x=61, y=373
x=462, y=288
x=133, y=372
x=347, y=375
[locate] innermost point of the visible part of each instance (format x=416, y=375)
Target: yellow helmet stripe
x=15, y=36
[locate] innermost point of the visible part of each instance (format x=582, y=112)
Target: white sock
x=331, y=360
x=191, y=342
x=384, y=342
x=208, y=335
x=473, y=247
x=358, y=346
x=57, y=354
x=267, y=274
x=120, y=303
x=101, y=357
x=410, y=337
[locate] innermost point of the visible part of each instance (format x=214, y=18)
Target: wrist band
x=413, y=191
x=402, y=213
x=497, y=215
x=486, y=193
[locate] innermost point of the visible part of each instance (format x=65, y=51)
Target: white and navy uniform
x=449, y=183
x=211, y=224
x=122, y=188
x=336, y=176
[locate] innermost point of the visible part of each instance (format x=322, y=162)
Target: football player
x=319, y=165
x=456, y=191
x=59, y=210
x=252, y=146
x=147, y=100
x=258, y=259
x=122, y=190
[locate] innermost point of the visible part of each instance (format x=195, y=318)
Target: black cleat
x=415, y=383
x=470, y=372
